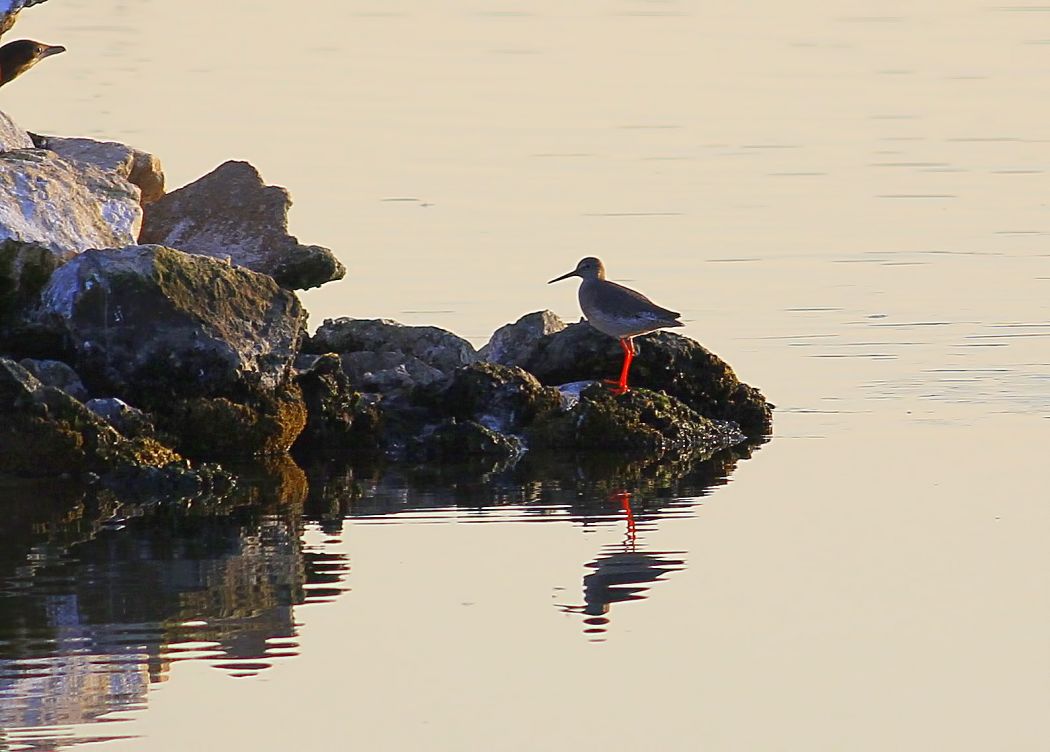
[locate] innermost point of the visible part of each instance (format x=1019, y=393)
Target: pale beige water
x=848, y=203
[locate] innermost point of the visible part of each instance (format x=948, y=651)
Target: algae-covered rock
x=453, y=440
x=148, y=323
x=340, y=420
x=230, y=213
x=640, y=420
x=44, y=431
x=24, y=270
x=218, y=427
x=501, y=398
x=677, y=365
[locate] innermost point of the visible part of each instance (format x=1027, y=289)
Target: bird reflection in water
x=622, y=573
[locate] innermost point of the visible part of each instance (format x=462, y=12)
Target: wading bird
x=617, y=311
x=18, y=57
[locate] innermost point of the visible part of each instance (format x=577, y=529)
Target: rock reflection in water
x=99, y=598
x=99, y=595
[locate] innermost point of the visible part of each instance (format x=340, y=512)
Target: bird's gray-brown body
x=618, y=311
x=614, y=309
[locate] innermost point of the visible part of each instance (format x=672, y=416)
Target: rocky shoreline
x=153, y=340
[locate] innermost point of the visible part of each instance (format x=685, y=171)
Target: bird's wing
x=632, y=303
x=9, y=11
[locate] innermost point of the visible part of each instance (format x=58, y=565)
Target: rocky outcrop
x=667, y=362
x=148, y=324
x=230, y=213
x=12, y=136
x=64, y=205
x=134, y=165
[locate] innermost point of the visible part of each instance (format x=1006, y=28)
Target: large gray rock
x=134, y=165
x=435, y=347
x=514, y=344
x=12, y=136
x=64, y=205
x=148, y=323
x=231, y=213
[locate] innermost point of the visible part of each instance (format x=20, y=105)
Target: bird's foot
x=616, y=387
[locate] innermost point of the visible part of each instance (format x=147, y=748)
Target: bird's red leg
x=620, y=387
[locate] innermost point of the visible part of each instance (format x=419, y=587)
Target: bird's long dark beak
x=52, y=50
x=564, y=276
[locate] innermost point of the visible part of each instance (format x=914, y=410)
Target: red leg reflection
x=625, y=502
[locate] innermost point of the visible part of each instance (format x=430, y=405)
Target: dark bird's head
x=588, y=268
x=18, y=57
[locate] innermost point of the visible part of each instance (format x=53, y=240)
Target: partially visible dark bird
x=9, y=11
x=18, y=57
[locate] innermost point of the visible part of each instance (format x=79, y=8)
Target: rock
x=677, y=365
x=150, y=324
x=340, y=420
x=220, y=428
x=640, y=420
x=515, y=343
x=501, y=398
x=129, y=420
x=44, y=431
x=24, y=270
x=134, y=165
x=435, y=347
x=453, y=440
x=11, y=136
x=57, y=374
x=230, y=213
x=65, y=205
x=390, y=373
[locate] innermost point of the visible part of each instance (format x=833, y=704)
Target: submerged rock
x=134, y=165
x=65, y=205
x=677, y=365
x=148, y=323
x=230, y=213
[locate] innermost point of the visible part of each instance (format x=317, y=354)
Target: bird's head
x=18, y=57
x=588, y=268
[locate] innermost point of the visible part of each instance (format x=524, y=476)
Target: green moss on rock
x=639, y=420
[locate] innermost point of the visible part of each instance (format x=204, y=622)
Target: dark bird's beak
x=564, y=276
x=52, y=50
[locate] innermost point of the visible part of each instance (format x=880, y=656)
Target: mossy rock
x=215, y=428
x=640, y=420
x=668, y=362
x=340, y=420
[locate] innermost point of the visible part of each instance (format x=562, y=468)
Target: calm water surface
x=848, y=203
